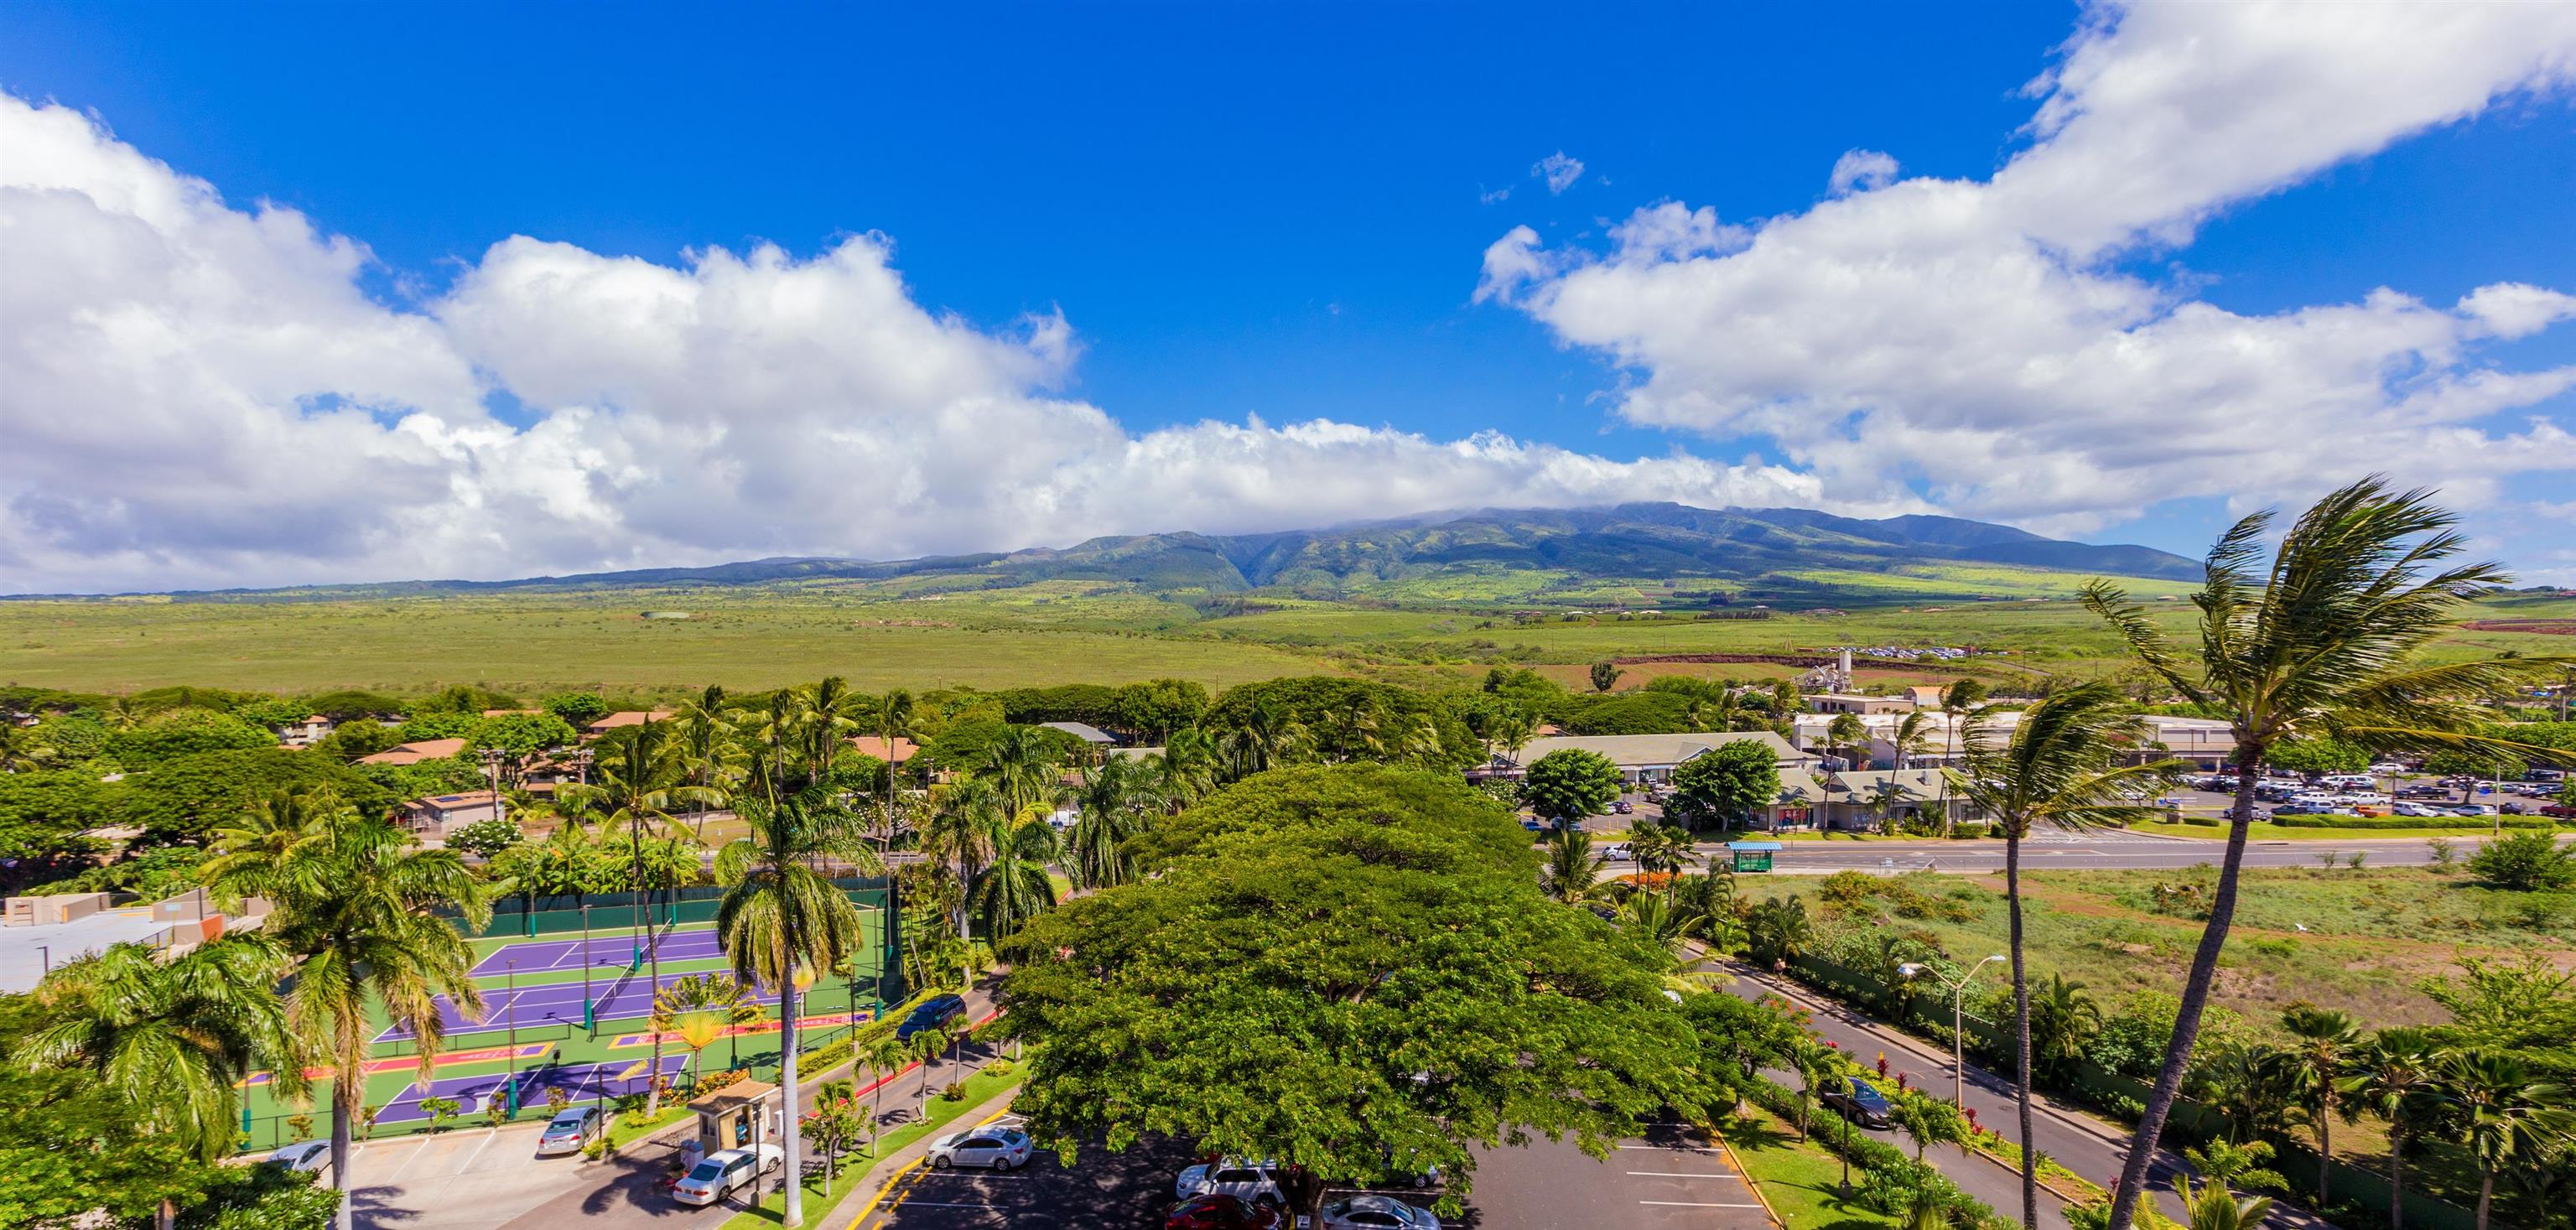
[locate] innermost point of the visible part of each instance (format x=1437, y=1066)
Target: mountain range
x=1758, y=552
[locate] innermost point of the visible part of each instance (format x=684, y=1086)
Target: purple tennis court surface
x=616, y=949
x=554, y=1003
x=583, y=1081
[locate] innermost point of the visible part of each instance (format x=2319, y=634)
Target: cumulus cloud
x=1558, y=171
x=202, y=395
x=1982, y=342
x=1863, y=169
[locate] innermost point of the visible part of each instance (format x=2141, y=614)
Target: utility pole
x=510, y=1012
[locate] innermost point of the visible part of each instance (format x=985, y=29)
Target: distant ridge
x=1760, y=548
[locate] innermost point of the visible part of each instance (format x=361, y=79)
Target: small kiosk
x=737, y=1116
x=1752, y=855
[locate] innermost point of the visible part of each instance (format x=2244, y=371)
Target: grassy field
x=880, y=634
x=1801, y=1180
x=2370, y=934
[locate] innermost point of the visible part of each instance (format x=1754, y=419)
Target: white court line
x=1672, y=1174
x=1697, y=1204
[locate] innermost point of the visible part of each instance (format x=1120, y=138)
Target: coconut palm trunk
x=2195, y=993
x=795, y=1142
x=2021, y=1033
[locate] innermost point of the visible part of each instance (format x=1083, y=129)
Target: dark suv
x=939, y=1012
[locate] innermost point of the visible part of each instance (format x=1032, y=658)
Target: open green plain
x=881, y=634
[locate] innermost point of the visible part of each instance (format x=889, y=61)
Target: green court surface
x=534, y=1031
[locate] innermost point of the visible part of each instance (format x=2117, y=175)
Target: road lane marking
x=1697, y=1204
x=1672, y=1174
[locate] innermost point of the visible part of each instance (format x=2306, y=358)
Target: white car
x=997, y=1148
x=2388, y=767
x=721, y=1174
x=310, y=1155
x=1618, y=852
x=1374, y=1212
x=2415, y=809
x=1248, y=1182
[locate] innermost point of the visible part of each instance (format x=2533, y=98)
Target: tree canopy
x=1570, y=783
x=1331, y=977
x=1731, y=781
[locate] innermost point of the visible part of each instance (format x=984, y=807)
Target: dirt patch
x=2544, y=627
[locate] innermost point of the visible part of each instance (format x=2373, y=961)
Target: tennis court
x=584, y=1081
x=527, y=957
x=626, y=997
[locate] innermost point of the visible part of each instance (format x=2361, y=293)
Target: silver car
x=997, y=1148
x=1375, y=1212
x=571, y=1130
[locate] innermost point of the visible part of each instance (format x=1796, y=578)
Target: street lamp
x=1958, y=1024
x=510, y=1010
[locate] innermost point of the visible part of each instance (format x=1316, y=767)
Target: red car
x=1221, y=1212
x=2560, y=810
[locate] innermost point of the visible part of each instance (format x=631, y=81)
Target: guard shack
x=737, y=1116
x=1752, y=855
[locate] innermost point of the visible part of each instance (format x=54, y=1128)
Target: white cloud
x=1863, y=169
x=1558, y=170
x=1974, y=339
x=1495, y=197
x=197, y=395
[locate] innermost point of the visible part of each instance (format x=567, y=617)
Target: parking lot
x=1661, y=1182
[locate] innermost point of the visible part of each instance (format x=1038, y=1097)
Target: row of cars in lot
x=1234, y=1194
x=2359, y=794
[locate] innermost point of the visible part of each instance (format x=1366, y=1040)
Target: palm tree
x=2253, y=1085
x=1928, y=1121
x=708, y=747
x=2213, y=1207
x=1569, y=871
x=22, y=749
x=1662, y=850
x=177, y=1040
x=1189, y=767
x=1778, y=930
x=891, y=718
x=1960, y=699
x=968, y=818
x=369, y=915
x=2398, y=1078
x=782, y=921
x=1114, y=799
x=2325, y=643
x=1846, y=732
x=2237, y=1166
x=883, y=1056
x=699, y=1008
x=1911, y=738
x=1014, y=886
x=2506, y=1113
x=2063, y=1017
x=1510, y=729
x=1023, y=770
x=639, y=773
x=1266, y=738
x=2326, y=1040
x=2056, y=767
x=1818, y=1066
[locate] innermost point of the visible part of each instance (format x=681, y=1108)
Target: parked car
x=719, y=1175
x=2388, y=766
x=302, y=1156
x=2561, y=811
x=1246, y=1181
x=1624, y=807
x=999, y=1149
x=2474, y=809
x=2510, y=809
x=1858, y=1101
x=939, y=1012
x=1618, y=852
x=1374, y=1212
x=1216, y=1211
x=571, y=1130
x=2416, y=809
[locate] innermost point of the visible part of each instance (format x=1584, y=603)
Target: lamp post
x=510, y=1011
x=1958, y=1024
x=585, y=952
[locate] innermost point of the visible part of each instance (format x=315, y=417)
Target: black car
x=939, y=1012
x=1859, y=1102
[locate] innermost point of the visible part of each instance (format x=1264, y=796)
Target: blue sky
x=1283, y=212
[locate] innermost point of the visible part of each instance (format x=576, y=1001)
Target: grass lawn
x=2369, y=935
x=980, y=1088
x=1802, y=1181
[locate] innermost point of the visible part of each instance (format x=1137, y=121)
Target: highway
x=2055, y=851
